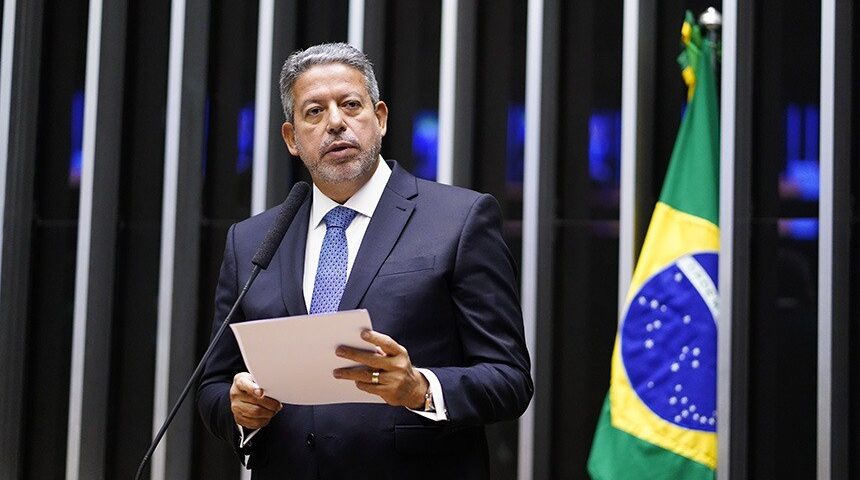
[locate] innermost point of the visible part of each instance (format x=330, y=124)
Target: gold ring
x=374, y=378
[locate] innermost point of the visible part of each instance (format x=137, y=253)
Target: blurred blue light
x=515, y=143
x=801, y=173
x=604, y=147
x=425, y=143
x=812, y=123
x=76, y=131
x=793, y=129
x=799, y=228
x=245, y=138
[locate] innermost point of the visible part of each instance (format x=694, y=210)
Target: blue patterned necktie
x=331, y=271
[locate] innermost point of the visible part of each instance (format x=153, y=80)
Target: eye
x=313, y=111
x=352, y=104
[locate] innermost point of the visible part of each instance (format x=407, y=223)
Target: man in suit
x=447, y=353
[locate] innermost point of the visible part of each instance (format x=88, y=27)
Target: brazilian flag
x=659, y=420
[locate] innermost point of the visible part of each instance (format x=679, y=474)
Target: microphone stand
x=197, y=372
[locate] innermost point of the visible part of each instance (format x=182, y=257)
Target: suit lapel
x=292, y=257
x=389, y=219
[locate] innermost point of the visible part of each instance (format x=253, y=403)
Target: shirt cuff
x=243, y=440
x=441, y=414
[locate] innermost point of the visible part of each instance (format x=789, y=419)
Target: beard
x=347, y=169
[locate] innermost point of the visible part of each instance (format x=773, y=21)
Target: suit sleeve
x=213, y=394
x=495, y=383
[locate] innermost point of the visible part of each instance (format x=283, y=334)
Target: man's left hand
x=400, y=384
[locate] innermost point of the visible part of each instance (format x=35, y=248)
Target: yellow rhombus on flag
x=659, y=420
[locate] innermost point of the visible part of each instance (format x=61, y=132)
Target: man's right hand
x=251, y=408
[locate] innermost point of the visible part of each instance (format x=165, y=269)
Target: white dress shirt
x=364, y=202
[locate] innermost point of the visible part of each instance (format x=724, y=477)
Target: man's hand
x=400, y=384
x=251, y=408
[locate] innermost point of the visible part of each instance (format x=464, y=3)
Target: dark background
x=782, y=316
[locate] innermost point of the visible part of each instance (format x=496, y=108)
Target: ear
x=289, y=134
x=381, y=112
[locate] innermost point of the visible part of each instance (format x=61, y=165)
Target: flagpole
x=712, y=20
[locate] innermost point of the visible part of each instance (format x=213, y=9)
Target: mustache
x=335, y=139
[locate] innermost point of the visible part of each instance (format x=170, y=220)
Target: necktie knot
x=339, y=217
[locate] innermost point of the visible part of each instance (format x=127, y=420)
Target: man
x=426, y=260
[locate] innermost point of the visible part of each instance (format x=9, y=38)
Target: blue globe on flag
x=669, y=341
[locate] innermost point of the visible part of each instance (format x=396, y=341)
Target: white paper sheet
x=292, y=358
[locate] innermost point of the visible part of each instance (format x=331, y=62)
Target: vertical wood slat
x=447, y=92
x=374, y=38
x=540, y=156
x=834, y=239
x=735, y=223
x=826, y=322
x=355, y=33
x=727, y=163
x=7, y=55
x=629, y=138
x=456, y=92
x=637, y=131
x=465, y=79
x=180, y=235
x=281, y=167
x=531, y=200
x=262, y=106
x=96, y=245
x=19, y=105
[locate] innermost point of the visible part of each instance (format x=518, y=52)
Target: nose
x=335, y=120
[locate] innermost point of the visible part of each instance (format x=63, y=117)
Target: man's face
x=336, y=129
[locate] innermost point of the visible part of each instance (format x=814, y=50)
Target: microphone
x=282, y=222
x=265, y=252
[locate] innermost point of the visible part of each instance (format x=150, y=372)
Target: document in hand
x=292, y=358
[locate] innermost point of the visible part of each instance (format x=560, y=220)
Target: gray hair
x=326, y=53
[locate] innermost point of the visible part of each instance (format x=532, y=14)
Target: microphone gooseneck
x=262, y=258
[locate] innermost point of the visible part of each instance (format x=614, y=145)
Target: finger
x=245, y=383
x=352, y=373
x=255, y=411
x=383, y=341
x=357, y=374
x=268, y=403
x=372, y=389
x=370, y=359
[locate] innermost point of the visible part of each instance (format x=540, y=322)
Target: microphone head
x=286, y=214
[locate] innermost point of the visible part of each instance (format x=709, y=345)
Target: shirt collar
x=364, y=201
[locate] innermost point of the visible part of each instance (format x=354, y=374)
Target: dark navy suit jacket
x=435, y=275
